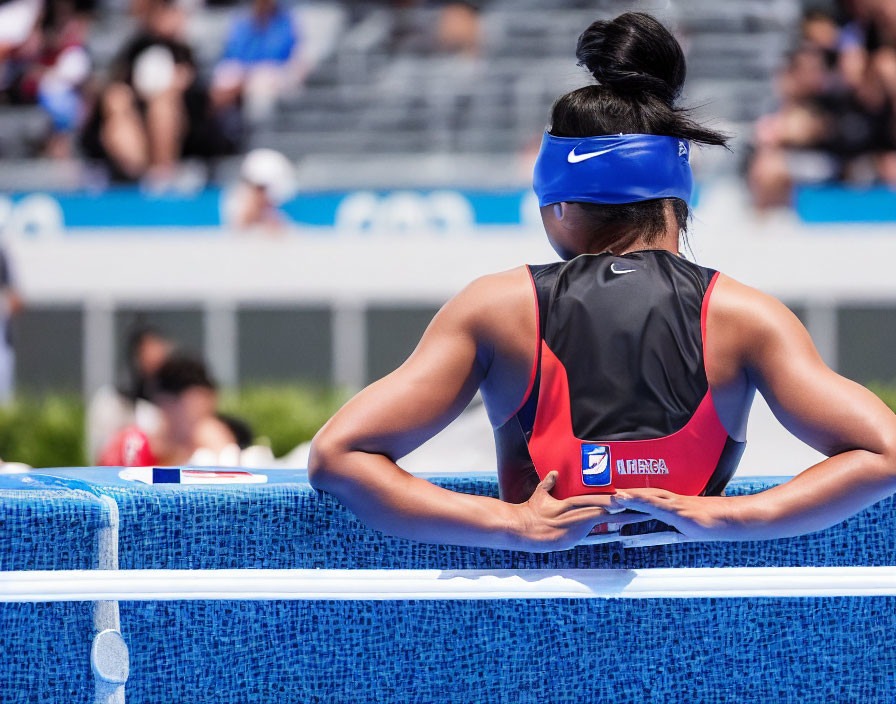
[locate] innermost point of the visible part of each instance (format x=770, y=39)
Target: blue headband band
x=619, y=168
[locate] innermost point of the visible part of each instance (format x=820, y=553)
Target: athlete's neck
x=668, y=241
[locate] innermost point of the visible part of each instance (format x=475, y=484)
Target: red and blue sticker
x=596, y=465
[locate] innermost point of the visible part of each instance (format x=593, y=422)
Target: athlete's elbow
x=888, y=456
x=884, y=448
x=324, y=461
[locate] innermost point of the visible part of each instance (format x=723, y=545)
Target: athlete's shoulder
x=485, y=302
x=755, y=318
x=732, y=298
x=486, y=291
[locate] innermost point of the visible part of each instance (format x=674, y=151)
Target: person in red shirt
x=129, y=448
x=187, y=397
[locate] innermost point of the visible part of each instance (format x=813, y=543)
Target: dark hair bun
x=633, y=54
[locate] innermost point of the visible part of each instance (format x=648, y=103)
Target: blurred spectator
x=58, y=78
x=20, y=41
x=154, y=111
x=458, y=28
x=10, y=306
x=836, y=106
x=147, y=350
x=112, y=409
x=59, y=92
x=48, y=63
x=187, y=398
x=254, y=67
x=267, y=180
x=240, y=429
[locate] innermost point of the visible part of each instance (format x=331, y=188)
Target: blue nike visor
x=612, y=169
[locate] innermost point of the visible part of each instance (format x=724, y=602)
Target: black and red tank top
x=619, y=396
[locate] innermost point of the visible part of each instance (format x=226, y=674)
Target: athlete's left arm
x=834, y=415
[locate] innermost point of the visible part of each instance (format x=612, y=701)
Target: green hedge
x=49, y=431
x=43, y=432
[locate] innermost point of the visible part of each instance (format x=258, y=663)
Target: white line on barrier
x=163, y=585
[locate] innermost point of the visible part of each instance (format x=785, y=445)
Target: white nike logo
x=574, y=158
x=620, y=271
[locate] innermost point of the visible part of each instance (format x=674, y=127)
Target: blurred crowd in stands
x=154, y=105
x=152, y=109
x=835, y=118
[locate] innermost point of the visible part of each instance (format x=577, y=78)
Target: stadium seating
x=376, y=91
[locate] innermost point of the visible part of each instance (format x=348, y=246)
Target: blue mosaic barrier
x=664, y=650
x=286, y=524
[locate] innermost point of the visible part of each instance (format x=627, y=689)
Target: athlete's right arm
x=834, y=415
x=354, y=455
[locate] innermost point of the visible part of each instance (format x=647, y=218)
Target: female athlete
x=618, y=381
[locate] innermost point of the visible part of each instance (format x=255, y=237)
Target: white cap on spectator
x=153, y=71
x=17, y=20
x=73, y=65
x=272, y=171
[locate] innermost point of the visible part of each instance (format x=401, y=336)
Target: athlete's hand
x=700, y=518
x=547, y=524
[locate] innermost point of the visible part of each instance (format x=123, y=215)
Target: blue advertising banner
x=125, y=208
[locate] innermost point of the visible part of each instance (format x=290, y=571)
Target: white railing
x=380, y=585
